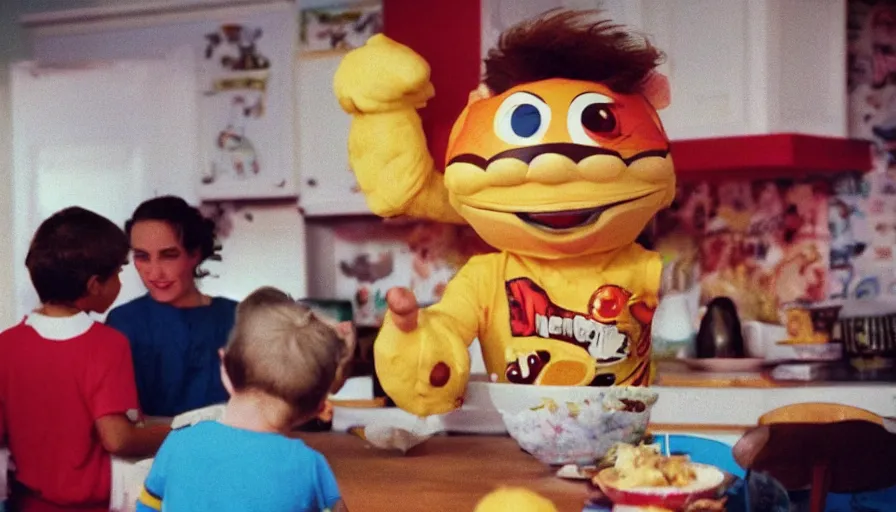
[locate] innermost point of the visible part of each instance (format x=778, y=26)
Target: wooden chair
x=828, y=447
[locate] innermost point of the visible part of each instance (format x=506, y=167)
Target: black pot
x=720, y=332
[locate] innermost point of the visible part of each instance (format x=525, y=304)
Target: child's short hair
x=70, y=247
x=280, y=347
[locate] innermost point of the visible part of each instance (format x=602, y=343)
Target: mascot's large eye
x=522, y=119
x=592, y=119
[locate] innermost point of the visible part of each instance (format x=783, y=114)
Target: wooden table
x=445, y=474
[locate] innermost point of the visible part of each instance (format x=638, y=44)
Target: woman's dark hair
x=69, y=248
x=195, y=232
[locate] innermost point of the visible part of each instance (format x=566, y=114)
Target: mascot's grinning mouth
x=575, y=152
x=569, y=219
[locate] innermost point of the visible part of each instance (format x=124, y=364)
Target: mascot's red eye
x=592, y=118
x=608, y=302
x=598, y=118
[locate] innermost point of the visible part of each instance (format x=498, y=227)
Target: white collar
x=59, y=328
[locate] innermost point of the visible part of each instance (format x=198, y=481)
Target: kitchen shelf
x=780, y=155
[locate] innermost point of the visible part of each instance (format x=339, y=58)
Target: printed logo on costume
x=532, y=313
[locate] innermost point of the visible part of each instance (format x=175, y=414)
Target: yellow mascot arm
x=425, y=370
x=382, y=84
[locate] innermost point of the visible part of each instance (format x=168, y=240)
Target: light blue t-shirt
x=214, y=467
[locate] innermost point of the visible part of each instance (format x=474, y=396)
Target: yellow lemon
x=514, y=499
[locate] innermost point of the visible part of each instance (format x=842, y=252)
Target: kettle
x=720, y=332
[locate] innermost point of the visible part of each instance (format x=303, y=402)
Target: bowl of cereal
x=561, y=425
x=643, y=477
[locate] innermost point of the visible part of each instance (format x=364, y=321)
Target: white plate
x=720, y=364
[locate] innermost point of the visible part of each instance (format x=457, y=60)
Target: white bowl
x=579, y=433
x=506, y=397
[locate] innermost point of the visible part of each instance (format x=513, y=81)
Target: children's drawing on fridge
x=244, y=153
x=423, y=257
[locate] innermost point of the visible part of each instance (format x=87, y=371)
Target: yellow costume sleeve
x=425, y=371
x=382, y=84
x=390, y=159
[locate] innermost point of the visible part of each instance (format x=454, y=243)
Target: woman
x=175, y=330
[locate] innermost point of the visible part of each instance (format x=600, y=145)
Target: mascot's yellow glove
x=382, y=84
x=422, y=355
x=382, y=76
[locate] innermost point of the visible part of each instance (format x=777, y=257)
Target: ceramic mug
x=759, y=337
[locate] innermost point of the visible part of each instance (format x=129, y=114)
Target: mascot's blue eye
x=525, y=120
x=522, y=119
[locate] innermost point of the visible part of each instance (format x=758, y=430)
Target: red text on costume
x=532, y=313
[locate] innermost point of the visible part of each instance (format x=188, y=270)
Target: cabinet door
x=327, y=184
x=93, y=135
x=707, y=63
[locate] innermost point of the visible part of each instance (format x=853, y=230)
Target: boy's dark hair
x=70, y=247
x=571, y=44
x=195, y=231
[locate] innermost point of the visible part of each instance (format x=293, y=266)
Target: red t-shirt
x=51, y=393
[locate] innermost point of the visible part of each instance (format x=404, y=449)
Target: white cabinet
x=244, y=128
x=744, y=67
x=736, y=67
x=327, y=185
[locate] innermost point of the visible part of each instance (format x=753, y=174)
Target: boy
x=68, y=401
x=278, y=367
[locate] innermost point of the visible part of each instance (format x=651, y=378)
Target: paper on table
x=212, y=413
x=391, y=437
x=128, y=476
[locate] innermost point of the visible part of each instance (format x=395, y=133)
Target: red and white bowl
x=706, y=486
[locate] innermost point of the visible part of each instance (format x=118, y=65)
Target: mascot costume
x=559, y=161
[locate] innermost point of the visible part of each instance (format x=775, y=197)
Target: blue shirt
x=212, y=466
x=175, y=352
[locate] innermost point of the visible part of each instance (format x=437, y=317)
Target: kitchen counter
x=728, y=409
x=445, y=474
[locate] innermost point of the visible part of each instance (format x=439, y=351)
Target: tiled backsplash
x=769, y=243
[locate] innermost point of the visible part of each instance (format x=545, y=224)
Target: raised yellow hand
x=382, y=76
x=382, y=84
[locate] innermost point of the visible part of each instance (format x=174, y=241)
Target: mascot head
x=560, y=152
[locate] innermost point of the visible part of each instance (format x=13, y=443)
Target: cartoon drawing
x=236, y=89
x=367, y=271
x=736, y=204
x=844, y=246
x=841, y=278
x=806, y=212
x=868, y=288
x=339, y=29
x=242, y=39
x=872, y=83
x=236, y=154
x=801, y=277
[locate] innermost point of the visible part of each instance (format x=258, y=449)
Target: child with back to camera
x=278, y=367
x=68, y=401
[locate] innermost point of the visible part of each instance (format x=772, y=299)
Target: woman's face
x=165, y=267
